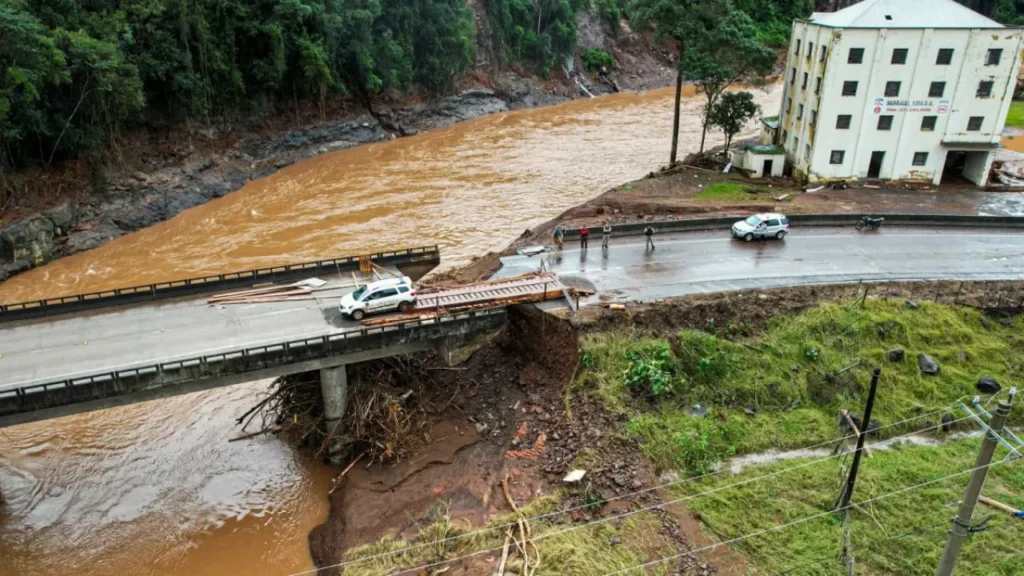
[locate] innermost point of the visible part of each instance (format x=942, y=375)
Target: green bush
x=676, y=441
x=706, y=360
x=651, y=369
x=611, y=11
x=595, y=59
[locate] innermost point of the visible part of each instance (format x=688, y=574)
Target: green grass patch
x=729, y=192
x=1015, y=118
x=599, y=549
x=919, y=516
x=794, y=377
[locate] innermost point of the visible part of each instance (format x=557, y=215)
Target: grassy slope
x=581, y=552
x=726, y=192
x=919, y=516
x=1015, y=118
x=781, y=374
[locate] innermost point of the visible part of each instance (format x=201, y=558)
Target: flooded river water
x=155, y=488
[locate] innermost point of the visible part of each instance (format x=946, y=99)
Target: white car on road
x=761, y=226
x=380, y=296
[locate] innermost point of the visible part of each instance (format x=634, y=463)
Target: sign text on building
x=896, y=106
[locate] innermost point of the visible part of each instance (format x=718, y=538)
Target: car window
x=785, y=221
x=773, y=222
x=387, y=292
x=403, y=289
x=359, y=293
x=753, y=221
x=371, y=296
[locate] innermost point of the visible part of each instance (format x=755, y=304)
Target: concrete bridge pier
x=334, y=388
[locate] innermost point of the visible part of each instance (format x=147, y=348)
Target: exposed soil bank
x=148, y=178
x=521, y=381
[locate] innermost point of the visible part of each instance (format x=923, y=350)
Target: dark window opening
x=837, y=157
x=994, y=56
x=804, y=86
x=843, y=121
x=920, y=158
x=974, y=123
x=984, y=89
x=899, y=56
x=937, y=89
x=885, y=122
x=928, y=123
x=856, y=56
x=892, y=88
x=945, y=56
x=850, y=88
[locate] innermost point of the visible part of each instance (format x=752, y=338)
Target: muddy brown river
x=156, y=488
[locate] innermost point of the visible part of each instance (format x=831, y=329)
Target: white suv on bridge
x=380, y=296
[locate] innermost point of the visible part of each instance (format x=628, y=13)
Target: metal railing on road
x=46, y=395
x=721, y=223
x=191, y=286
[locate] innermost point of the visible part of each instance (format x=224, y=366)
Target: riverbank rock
x=927, y=364
x=894, y=355
x=28, y=242
x=987, y=385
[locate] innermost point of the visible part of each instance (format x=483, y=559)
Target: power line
x=801, y=521
x=624, y=514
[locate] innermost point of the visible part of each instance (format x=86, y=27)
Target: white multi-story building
x=912, y=90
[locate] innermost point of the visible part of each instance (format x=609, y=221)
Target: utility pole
x=962, y=522
x=851, y=480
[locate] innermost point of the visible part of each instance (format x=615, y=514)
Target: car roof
x=770, y=215
x=389, y=283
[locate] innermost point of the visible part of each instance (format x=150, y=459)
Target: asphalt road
x=49, y=349
x=685, y=263
x=696, y=262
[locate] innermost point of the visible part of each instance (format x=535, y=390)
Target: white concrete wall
x=962, y=77
x=976, y=166
x=754, y=163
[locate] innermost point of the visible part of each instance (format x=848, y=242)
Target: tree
x=686, y=22
x=728, y=52
x=732, y=111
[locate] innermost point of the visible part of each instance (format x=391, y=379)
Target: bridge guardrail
x=726, y=222
x=101, y=385
x=188, y=286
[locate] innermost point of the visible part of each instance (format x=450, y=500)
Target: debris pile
x=301, y=290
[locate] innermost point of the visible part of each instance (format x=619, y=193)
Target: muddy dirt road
x=155, y=488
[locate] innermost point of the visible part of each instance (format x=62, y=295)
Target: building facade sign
x=897, y=106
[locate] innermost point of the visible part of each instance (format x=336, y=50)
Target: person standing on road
x=649, y=232
x=606, y=234
x=584, y=235
x=559, y=236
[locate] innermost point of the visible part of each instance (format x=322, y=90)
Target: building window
x=856, y=56
x=804, y=87
x=810, y=49
x=994, y=55
x=800, y=112
x=837, y=157
x=817, y=85
x=899, y=56
x=974, y=123
x=920, y=158
x=814, y=117
x=843, y=122
x=892, y=88
x=796, y=145
x=850, y=88
x=885, y=122
x=792, y=76
x=798, y=47
x=937, y=89
x=928, y=123
x=945, y=57
x=823, y=50
x=789, y=105
x=984, y=89
x=807, y=152
x=785, y=137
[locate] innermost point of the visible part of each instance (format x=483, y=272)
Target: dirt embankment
x=508, y=413
x=151, y=175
